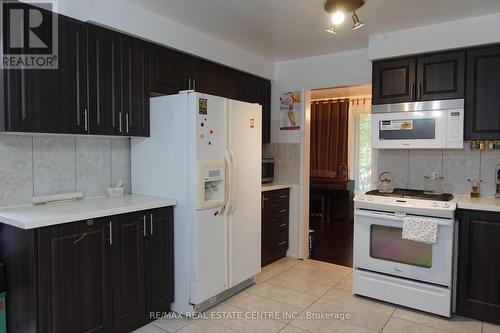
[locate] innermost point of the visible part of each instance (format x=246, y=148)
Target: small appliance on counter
x=267, y=170
x=385, y=182
x=434, y=184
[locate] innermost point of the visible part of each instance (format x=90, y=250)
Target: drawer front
x=281, y=196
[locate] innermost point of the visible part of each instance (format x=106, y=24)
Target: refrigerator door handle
x=229, y=182
x=234, y=183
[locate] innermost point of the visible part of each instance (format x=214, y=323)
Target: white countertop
x=464, y=201
x=274, y=186
x=35, y=216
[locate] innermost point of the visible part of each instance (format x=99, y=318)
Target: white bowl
x=114, y=192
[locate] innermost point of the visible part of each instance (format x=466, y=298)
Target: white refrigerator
x=205, y=152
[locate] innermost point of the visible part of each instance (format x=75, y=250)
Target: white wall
x=127, y=17
x=333, y=70
x=448, y=35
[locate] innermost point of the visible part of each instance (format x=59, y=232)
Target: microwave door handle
x=388, y=216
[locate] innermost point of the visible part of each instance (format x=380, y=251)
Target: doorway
x=339, y=166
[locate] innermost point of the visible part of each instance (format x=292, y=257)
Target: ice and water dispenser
x=211, y=184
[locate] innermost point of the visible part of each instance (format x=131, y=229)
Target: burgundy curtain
x=329, y=126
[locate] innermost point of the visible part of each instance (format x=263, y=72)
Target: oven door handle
x=391, y=217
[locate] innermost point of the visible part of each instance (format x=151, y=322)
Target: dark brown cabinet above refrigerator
x=421, y=78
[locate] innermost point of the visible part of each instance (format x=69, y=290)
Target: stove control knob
x=434, y=204
x=369, y=198
x=446, y=205
x=361, y=197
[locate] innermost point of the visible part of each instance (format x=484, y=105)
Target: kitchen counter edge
x=274, y=187
x=489, y=204
x=37, y=216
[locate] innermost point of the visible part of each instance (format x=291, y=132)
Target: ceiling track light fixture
x=338, y=8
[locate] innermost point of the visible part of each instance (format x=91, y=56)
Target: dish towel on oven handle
x=420, y=229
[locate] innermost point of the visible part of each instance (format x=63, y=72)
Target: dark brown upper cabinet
x=105, y=81
x=136, y=86
x=482, y=100
x=169, y=71
x=50, y=100
x=394, y=81
x=422, y=78
x=478, y=294
x=441, y=76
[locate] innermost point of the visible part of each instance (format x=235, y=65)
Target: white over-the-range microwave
x=418, y=125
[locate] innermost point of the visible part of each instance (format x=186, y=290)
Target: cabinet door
x=479, y=266
x=232, y=84
x=169, y=71
x=267, y=230
x=265, y=102
x=394, y=81
x=51, y=100
x=482, y=100
x=160, y=260
x=207, y=77
x=136, y=58
x=74, y=277
x=129, y=268
x=441, y=76
x=105, y=78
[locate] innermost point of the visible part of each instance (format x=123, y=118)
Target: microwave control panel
x=455, y=128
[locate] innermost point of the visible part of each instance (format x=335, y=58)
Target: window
x=361, y=151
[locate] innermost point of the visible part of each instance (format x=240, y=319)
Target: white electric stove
x=400, y=271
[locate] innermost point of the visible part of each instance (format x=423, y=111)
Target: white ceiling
x=288, y=29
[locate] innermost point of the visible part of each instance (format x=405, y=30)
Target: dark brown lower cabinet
x=100, y=275
x=129, y=270
x=479, y=266
x=275, y=225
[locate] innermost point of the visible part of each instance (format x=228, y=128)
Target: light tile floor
x=308, y=289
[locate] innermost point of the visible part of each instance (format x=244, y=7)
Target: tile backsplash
x=39, y=165
x=286, y=161
x=457, y=165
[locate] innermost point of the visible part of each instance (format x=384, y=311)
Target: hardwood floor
x=334, y=240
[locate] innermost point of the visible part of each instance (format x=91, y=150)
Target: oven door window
x=407, y=129
x=386, y=243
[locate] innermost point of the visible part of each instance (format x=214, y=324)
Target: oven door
x=416, y=129
x=379, y=247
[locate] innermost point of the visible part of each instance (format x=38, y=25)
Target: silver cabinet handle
x=110, y=225
x=144, y=225
x=283, y=210
x=81, y=237
x=120, y=122
x=283, y=196
x=151, y=223
x=86, y=119
x=194, y=85
x=282, y=243
x=283, y=225
x=126, y=121
x=189, y=84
